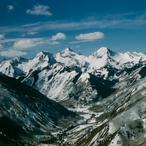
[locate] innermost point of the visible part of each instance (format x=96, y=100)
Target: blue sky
x=29, y=26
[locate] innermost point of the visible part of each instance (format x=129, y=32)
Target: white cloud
x=10, y=7
x=39, y=10
x=2, y=36
x=12, y=53
x=58, y=36
x=115, y=21
x=20, y=46
x=24, y=43
x=90, y=36
x=1, y=40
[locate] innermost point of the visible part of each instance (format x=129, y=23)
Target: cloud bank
x=58, y=36
x=12, y=53
x=90, y=36
x=39, y=10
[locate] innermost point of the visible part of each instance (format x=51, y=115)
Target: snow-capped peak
x=70, y=58
x=68, y=50
x=45, y=56
x=101, y=60
x=104, y=51
x=40, y=61
x=128, y=59
x=44, y=53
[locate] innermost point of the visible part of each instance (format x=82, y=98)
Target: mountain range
x=72, y=99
